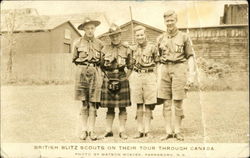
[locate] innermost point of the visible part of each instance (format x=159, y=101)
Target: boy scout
x=115, y=88
x=143, y=82
x=176, y=56
x=86, y=56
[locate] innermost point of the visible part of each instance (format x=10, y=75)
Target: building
x=41, y=48
x=152, y=32
x=223, y=43
x=235, y=14
x=42, y=44
x=37, y=34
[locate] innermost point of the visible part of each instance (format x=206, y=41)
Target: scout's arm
x=158, y=53
x=74, y=51
x=102, y=61
x=129, y=62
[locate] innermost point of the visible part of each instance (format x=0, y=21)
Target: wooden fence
x=40, y=67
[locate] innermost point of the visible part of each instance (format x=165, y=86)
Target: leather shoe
x=123, y=135
x=107, y=134
x=139, y=135
x=167, y=136
x=179, y=136
x=148, y=135
x=92, y=136
x=83, y=135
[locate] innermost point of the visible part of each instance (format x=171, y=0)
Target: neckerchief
x=172, y=33
x=90, y=47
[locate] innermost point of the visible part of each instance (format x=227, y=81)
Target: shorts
x=88, y=83
x=173, y=78
x=143, y=88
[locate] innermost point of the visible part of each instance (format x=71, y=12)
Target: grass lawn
x=46, y=114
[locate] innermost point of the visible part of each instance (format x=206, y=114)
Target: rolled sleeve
x=74, y=51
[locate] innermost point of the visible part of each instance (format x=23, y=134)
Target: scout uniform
x=87, y=56
x=143, y=78
x=143, y=83
x=174, y=49
x=115, y=89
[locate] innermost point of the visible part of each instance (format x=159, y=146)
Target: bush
x=219, y=76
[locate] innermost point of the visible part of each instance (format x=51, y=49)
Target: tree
x=11, y=22
x=10, y=25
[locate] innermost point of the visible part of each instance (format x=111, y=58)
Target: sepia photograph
x=118, y=79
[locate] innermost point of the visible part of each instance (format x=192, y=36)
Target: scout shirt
x=174, y=47
x=116, y=57
x=87, y=50
x=144, y=55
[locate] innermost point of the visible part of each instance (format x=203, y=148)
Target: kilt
x=88, y=83
x=118, y=99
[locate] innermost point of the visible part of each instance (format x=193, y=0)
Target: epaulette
x=151, y=43
x=160, y=38
x=133, y=47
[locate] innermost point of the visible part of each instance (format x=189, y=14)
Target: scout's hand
x=190, y=80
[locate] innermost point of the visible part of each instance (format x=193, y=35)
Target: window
x=67, y=34
x=66, y=48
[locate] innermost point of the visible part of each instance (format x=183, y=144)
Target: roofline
x=216, y=26
x=27, y=31
x=68, y=21
x=45, y=30
x=135, y=21
x=140, y=23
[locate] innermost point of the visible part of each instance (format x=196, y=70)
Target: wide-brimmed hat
x=114, y=29
x=86, y=21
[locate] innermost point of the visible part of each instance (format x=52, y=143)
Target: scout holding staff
x=115, y=88
x=176, y=56
x=87, y=56
x=143, y=81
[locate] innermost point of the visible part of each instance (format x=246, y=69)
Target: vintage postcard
x=124, y=79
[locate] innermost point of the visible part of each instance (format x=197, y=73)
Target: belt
x=116, y=70
x=144, y=70
x=87, y=64
x=171, y=62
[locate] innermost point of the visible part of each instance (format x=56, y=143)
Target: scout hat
x=114, y=29
x=86, y=21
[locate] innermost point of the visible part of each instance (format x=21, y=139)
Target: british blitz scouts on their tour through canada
x=146, y=74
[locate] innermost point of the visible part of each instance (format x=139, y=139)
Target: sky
x=190, y=13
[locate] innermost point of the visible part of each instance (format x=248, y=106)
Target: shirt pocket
x=97, y=51
x=121, y=60
x=108, y=58
x=83, y=52
x=146, y=58
x=179, y=47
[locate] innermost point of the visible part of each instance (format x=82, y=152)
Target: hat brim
x=113, y=33
x=95, y=22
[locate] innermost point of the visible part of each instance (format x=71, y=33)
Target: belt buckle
x=143, y=71
x=116, y=71
x=91, y=64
